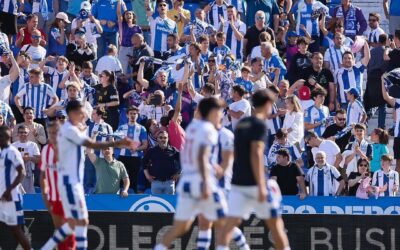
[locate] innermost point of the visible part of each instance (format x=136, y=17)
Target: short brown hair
x=386, y=157
x=35, y=71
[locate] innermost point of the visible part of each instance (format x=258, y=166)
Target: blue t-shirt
x=247, y=85
x=54, y=48
x=270, y=8
x=106, y=10
x=394, y=8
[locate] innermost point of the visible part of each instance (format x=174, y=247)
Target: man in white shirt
x=110, y=61
x=333, y=155
x=240, y=108
x=374, y=30
x=35, y=50
x=30, y=154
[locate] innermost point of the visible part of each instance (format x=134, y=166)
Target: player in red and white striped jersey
x=48, y=183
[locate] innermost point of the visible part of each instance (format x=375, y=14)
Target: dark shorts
x=396, y=148
x=8, y=23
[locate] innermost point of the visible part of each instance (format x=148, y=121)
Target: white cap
x=86, y=5
x=63, y=16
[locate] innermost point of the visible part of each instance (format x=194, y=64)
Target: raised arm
x=14, y=71
x=386, y=95
x=367, y=55
x=140, y=77
x=178, y=105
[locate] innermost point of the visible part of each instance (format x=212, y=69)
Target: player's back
x=10, y=158
x=248, y=130
x=71, y=153
x=225, y=143
x=198, y=133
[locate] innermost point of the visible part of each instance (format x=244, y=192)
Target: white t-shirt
x=242, y=105
x=90, y=28
x=29, y=148
x=110, y=63
x=330, y=148
x=5, y=83
x=38, y=54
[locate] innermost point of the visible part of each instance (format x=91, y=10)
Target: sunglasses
x=162, y=137
x=35, y=37
x=339, y=26
x=363, y=165
x=260, y=18
x=341, y=119
x=61, y=118
x=23, y=133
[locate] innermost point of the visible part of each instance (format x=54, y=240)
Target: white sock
x=286, y=248
x=239, y=239
x=59, y=236
x=160, y=247
x=222, y=248
x=81, y=237
x=204, y=239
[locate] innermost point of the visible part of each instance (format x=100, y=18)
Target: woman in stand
x=294, y=121
x=355, y=178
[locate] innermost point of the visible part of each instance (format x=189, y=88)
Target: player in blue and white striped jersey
x=282, y=142
x=221, y=50
x=37, y=95
x=12, y=172
x=322, y=177
x=316, y=115
x=355, y=109
x=71, y=140
x=351, y=75
x=334, y=54
x=160, y=27
x=386, y=179
x=235, y=31
x=395, y=103
x=217, y=9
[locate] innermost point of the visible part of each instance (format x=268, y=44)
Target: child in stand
x=221, y=50
x=380, y=138
x=386, y=179
x=355, y=109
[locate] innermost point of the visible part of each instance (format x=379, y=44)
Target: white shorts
x=11, y=212
x=243, y=200
x=73, y=200
x=190, y=204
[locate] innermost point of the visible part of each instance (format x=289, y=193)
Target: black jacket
x=162, y=163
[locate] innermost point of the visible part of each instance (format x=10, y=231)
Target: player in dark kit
x=250, y=191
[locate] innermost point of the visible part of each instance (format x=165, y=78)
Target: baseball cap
x=63, y=16
x=304, y=93
x=61, y=113
x=246, y=68
x=86, y=5
x=292, y=34
x=354, y=92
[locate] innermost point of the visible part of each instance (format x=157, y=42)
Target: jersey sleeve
x=336, y=173
x=258, y=132
x=307, y=116
x=22, y=91
x=114, y=94
x=17, y=159
x=242, y=28
x=227, y=141
x=55, y=33
x=74, y=136
x=50, y=92
x=327, y=56
x=35, y=149
x=143, y=134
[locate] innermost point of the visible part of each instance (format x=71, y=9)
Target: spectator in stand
x=353, y=19
x=293, y=122
x=258, y=76
x=235, y=31
x=161, y=166
x=6, y=81
x=57, y=74
x=176, y=134
x=256, y=51
x=329, y=36
x=302, y=15
x=374, y=30
x=315, y=117
x=274, y=122
x=252, y=36
x=351, y=75
x=57, y=38
x=132, y=158
x=107, y=98
x=35, y=50
x=380, y=139
x=322, y=176
x=152, y=128
x=36, y=130
x=30, y=154
x=90, y=25
x=80, y=51
x=87, y=75
x=339, y=132
x=179, y=15
x=356, y=149
x=215, y=11
x=106, y=11
x=281, y=141
x=355, y=178
x=386, y=179
x=289, y=176
x=245, y=81
x=300, y=61
x=7, y=114
x=332, y=151
x=8, y=18
x=24, y=35
x=158, y=82
x=376, y=68
x=392, y=53
x=355, y=109
x=110, y=62
x=240, y=108
x=142, y=19
x=160, y=27
x=334, y=54
x=221, y=50
x=392, y=14
x=140, y=48
x=109, y=173
x=270, y=10
x=273, y=64
x=36, y=94
x=395, y=103
x=283, y=94
x=127, y=28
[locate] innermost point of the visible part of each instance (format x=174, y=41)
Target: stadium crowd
x=140, y=68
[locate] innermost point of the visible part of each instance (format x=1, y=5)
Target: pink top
x=176, y=135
